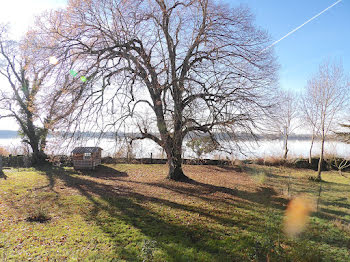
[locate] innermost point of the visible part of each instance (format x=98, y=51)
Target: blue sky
x=300, y=54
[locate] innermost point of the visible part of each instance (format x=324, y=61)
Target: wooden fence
x=25, y=161
x=215, y=162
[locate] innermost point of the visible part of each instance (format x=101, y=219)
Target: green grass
x=132, y=213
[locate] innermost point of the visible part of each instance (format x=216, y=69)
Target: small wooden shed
x=86, y=157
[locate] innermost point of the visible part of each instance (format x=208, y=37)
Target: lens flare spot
x=53, y=60
x=73, y=73
x=297, y=215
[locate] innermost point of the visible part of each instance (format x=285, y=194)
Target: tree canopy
x=197, y=66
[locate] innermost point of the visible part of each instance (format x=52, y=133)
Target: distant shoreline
x=8, y=134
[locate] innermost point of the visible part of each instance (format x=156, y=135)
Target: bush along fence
x=15, y=161
x=340, y=164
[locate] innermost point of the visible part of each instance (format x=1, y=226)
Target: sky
x=299, y=55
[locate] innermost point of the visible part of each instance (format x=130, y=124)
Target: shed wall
x=80, y=163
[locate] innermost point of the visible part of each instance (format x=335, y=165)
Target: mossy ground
x=133, y=213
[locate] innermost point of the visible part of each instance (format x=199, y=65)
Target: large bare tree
x=194, y=65
x=34, y=96
x=328, y=91
x=285, y=118
x=310, y=116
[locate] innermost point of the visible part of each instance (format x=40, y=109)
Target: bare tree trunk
x=174, y=153
x=35, y=141
x=175, y=169
x=43, y=140
x=319, y=197
x=320, y=162
x=175, y=164
x=312, y=144
x=285, y=147
x=39, y=156
x=36, y=153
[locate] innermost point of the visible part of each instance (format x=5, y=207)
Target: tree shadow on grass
x=123, y=204
x=331, y=214
x=51, y=176
x=227, y=169
x=268, y=173
x=177, y=240
x=263, y=195
x=53, y=173
x=103, y=172
x=2, y=175
x=337, y=203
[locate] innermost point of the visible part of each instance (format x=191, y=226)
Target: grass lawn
x=133, y=213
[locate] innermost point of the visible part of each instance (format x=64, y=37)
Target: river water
x=144, y=148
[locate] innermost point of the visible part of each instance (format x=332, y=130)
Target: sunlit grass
x=132, y=213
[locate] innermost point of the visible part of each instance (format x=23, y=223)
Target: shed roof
x=81, y=150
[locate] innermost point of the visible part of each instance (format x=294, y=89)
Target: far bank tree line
x=171, y=69
x=322, y=109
